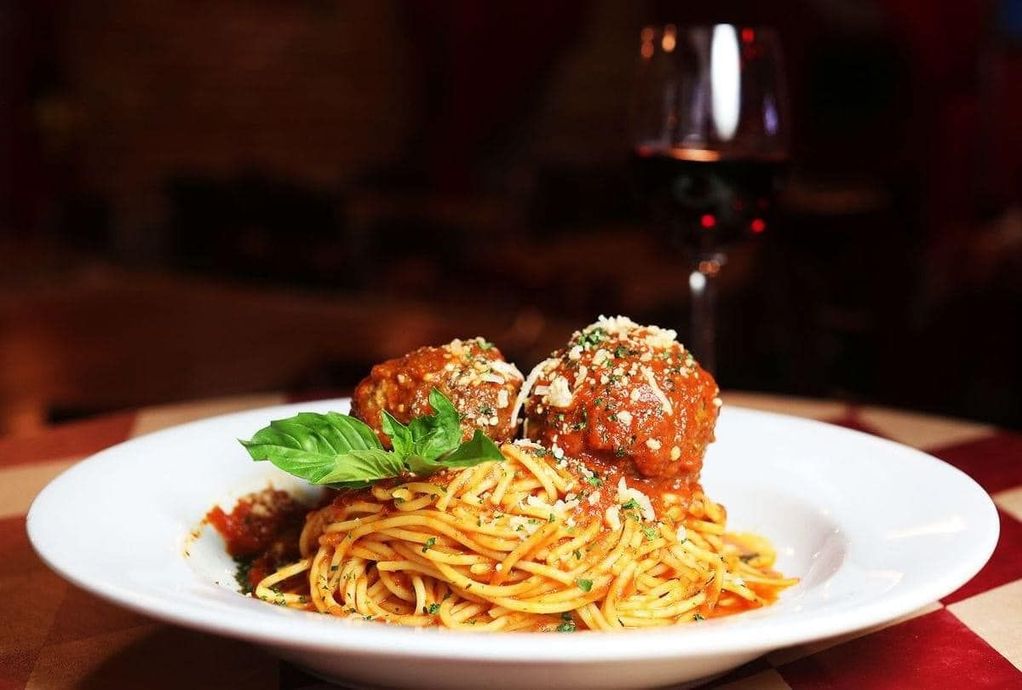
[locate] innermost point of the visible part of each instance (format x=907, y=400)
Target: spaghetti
x=533, y=543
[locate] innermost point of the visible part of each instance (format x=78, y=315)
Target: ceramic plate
x=873, y=529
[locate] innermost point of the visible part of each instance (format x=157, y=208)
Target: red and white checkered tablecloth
x=54, y=635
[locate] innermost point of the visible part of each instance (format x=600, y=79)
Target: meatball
x=472, y=373
x=627, y=396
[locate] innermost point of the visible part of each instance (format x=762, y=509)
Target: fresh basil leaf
x=436, y=434
x=443, y=408
x=308, y=444
x=474, y=451
x=348, y=486
x=422, y=466
x=344, y=453
x=364, y=466
x=400, y=435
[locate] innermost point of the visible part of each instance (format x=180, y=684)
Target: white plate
x=874, y=530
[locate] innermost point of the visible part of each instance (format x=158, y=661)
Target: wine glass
x=710, y=135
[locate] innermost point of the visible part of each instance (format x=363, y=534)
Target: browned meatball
x=472, y=373
x=625, y=395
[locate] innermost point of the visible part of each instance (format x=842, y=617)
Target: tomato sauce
x=261, y=532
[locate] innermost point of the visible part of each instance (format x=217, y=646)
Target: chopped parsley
x=567, y=624
x=650, y=533
x=630, y=504
x=578, y=554
x=485, y=344
x=590, y=337
x=595, y=481
x=432, y=609
x=585, y=585
x=429, y=544
x=698, y=617
x=242, y=568
x=551, y=518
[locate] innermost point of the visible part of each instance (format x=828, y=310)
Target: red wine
x=707, y=200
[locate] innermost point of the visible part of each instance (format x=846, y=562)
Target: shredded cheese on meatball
x=664, y=402
x=526, y=389
x=558, y=394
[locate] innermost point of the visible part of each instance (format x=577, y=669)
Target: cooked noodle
x=530, y=543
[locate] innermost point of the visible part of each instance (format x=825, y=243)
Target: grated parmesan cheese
x=559, y=394
x=507, y=369
x=580, y=376
x=648, y=374
x=612, y=516
x=534, y=375
x=616, y=325
x=626, y=493
x=526, y=526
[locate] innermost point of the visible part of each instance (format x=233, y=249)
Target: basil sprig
x=343, y=452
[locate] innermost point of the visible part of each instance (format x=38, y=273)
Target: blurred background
x=210, y=199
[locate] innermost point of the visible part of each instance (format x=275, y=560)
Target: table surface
x=53, y=634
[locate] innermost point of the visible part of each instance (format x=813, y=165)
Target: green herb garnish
x=630, y=504
x=567, y=624
x=595, y=481
x=591, y=337
x=343, y=452
x=585, y=585
x=243, y=565
x=430, y=543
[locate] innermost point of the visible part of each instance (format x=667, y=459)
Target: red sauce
x=639, y=405
x=261, y=532
x=472, y=373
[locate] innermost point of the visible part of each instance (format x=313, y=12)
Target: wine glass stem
x=702, y=282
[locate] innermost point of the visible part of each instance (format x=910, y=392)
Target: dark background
x=202, y=199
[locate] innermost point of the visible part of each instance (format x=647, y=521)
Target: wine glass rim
x=683, y=27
